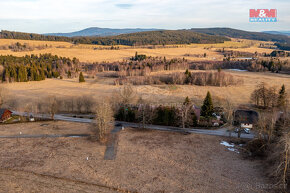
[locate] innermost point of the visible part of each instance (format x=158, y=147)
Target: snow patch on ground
x=234, y=150
x=229, y=146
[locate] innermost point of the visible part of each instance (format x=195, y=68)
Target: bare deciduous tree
x=79, y=104
x=104, y=121
x=88, y=103
x=145, y=113
x=52, y=106
x=264, y=96
x=184, y=112
x=128, y=93
x=266, y=124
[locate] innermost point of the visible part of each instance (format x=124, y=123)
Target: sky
x=47, y=16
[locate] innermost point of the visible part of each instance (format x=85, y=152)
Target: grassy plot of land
x=103, y=87
x=44, y=127
x=146, y=161
x=97, y=53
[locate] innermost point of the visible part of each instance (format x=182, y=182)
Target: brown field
x=87, y=53
x=45, y=127
x=146, y=161
x=103, y=87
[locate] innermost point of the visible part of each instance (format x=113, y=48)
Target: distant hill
x=235, y=33
x=164, y=37
x=287, y=33
x=96, y=31
x=160, y=37
x=283, y=41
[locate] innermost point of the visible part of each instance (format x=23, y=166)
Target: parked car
x=245, y=130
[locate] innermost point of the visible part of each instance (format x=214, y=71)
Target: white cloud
x=69, y=15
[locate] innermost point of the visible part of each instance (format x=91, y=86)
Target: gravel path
x=111, y=150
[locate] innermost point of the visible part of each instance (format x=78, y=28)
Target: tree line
x=218, y=78
x=36, y=68
x=134, y=39
x=268, y=97
x=139, y=65
x=18, y=47
x=142, y=65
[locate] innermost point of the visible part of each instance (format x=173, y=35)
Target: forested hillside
x=35, y=68
x=283, y=40
x=140, y=38
x=158, y=38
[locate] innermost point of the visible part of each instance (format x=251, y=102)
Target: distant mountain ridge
x=101, y=32
x=278, y=32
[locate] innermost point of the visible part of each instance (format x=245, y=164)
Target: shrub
x=81, y=77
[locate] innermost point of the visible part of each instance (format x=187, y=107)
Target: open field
x=147, y=161
x=92, y=53
x=44, y=127
x=103, y=86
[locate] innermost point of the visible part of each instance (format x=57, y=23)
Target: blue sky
x=43, y=16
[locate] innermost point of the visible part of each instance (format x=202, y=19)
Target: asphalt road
x=223, y=131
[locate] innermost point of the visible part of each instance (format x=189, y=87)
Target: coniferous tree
x=207, y=107
x=186, y=101
x=81, y=77
x=282, y=98
x=34, y=68
x=69, y=74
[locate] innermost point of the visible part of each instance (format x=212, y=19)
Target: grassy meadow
x=97, y=53
x=102, y=86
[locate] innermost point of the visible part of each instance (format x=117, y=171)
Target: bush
x=166, y=116
x=126, y=114
x=257, y=148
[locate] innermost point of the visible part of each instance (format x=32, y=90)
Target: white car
x=247, y=130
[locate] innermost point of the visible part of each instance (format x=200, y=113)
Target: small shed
x=5, y=114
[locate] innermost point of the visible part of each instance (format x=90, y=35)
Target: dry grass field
x=146, y=161
x=91, y=53
x=103, y=87
x=45, y=127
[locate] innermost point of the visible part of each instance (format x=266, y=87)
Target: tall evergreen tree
x=186, y=101
x=282, y=98
x=81, y=77
x=207, y=107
